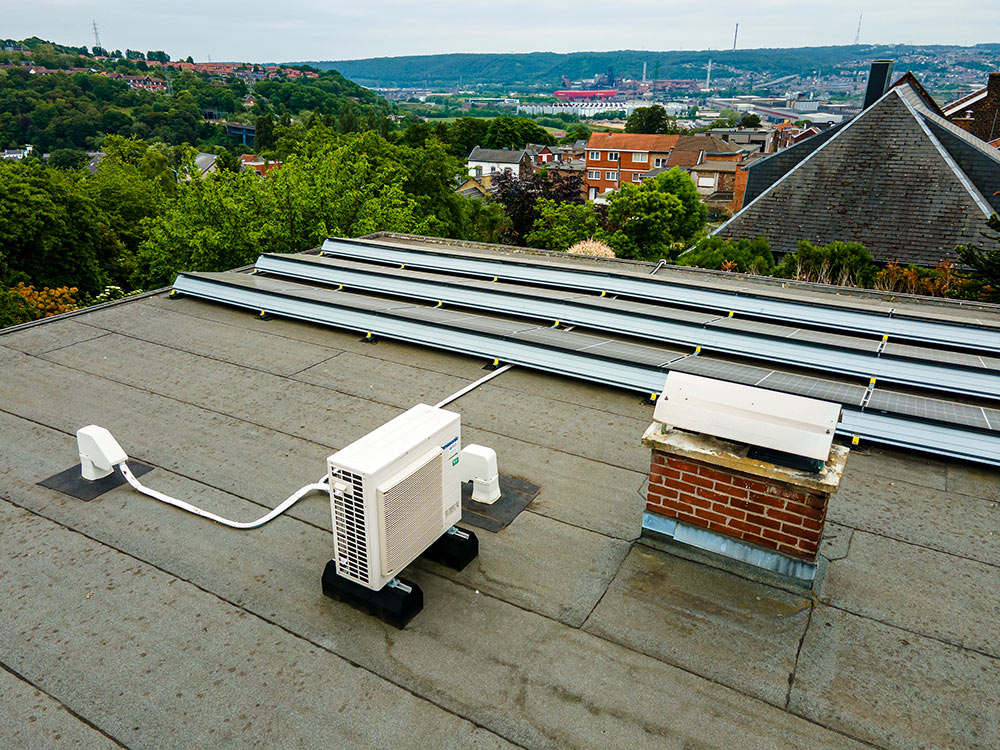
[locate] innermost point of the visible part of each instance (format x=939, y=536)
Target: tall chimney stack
x=878, y=81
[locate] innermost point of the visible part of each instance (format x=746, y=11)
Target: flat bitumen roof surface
x=126, y=622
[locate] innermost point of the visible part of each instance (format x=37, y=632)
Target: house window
x=612, y=156
x=636, y=177
x=610, y=176
x=640, y=158
x=659, y=162
x=706, y=182
x=595, y=155
x=594, y=174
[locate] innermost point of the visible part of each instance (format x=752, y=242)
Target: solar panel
x=993, y=418
x=466, y=334
x=793, y=332
x=721, y=369
x=754, y=326
x=935, y=355
x=803, y=385
x=825, y=311
x=670, y=312
x=733, y=336
x=927, y=408
x=836, y=339
x=655, y=356
x=564, y=339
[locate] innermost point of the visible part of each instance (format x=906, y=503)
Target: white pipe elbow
x=479, y=464
x=99, y=452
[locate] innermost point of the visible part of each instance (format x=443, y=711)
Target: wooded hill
x=547, y=68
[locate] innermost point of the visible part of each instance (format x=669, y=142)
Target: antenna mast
x=736, y=34
x=97, y=37
x=857, y=37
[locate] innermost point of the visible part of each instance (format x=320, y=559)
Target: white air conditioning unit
x=393, y=493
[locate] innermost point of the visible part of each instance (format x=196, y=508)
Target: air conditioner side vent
x=349, y=528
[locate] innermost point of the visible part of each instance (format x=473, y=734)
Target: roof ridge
x=963, y=178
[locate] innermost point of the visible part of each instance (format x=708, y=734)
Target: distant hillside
x=547, y=68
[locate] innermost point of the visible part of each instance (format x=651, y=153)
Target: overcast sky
x=289, y=30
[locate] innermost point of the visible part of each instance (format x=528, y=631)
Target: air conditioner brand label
x=451, y=448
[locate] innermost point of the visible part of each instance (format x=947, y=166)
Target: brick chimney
x=721, y=479
x=707, y=492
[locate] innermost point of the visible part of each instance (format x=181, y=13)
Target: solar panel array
x=616, y=347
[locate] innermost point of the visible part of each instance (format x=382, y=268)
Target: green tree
x=690, y=223
x=334, y=185
x=750, y=121
x=51, y=233
x=264, y=137
x=984, y=260
x=465, y=134
x=578, y=132
x=67, y=158
x=559, y=226
x=515, y=133
x=648, y=120
x=227, y=161
x=656, y=218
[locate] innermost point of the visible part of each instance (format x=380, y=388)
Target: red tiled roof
x=632, y=141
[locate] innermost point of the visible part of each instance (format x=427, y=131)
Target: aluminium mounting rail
x=599, y=313
x=823, y=315
x=337, y=310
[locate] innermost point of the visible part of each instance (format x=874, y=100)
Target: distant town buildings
x=899, y=178
x=978, y=112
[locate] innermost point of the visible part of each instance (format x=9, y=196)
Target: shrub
x=744, y=255
x=840, y=263
x=46, y=302
x=592, y=247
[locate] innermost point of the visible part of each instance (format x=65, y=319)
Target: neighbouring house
x=540, y=154
x=206, y=163
x=712, y=164
x=17, y=154
x=254, y=163
x=567, y=168
x=146, y=82
x=898, y=178
x=477, y=187
x=764, y=140
x=614, y=158
x=978, y=112
x=249, y=101
x=483, y=161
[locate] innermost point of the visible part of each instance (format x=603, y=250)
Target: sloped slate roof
x=898, y=178
x=498, y=155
